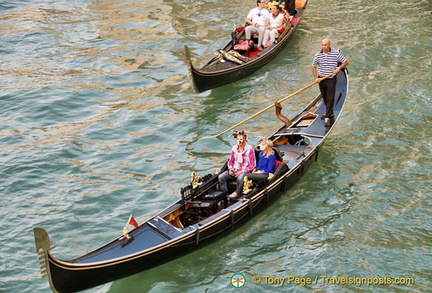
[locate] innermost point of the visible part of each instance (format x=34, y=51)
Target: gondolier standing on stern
x=328, y=61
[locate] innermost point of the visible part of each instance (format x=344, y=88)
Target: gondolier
x=327, y=61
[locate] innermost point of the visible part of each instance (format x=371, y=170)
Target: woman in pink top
x=242, y=160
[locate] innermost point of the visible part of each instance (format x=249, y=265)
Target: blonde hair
x=268, y=151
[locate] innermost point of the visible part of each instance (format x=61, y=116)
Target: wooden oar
x=268, y=107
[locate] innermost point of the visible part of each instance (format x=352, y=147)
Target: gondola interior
x=199, y=204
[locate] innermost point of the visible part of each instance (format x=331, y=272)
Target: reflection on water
x=99, y=120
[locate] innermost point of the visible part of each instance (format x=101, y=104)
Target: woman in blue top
x=266, y=165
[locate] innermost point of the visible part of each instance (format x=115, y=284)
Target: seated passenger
x=257, y=19
x=242, y=160
x=290, y=7
x=266, y=165
x=275, y=23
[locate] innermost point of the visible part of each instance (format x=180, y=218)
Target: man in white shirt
x=257, y=19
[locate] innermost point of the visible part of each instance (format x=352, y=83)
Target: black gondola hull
x=203, y=80
x=218, y=73
x=70, y=278
x=158, y=240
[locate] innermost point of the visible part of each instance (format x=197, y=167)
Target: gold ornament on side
x=247, y=185
x=195, y=180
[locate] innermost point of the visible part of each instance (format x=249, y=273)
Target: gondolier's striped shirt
x=327, y=63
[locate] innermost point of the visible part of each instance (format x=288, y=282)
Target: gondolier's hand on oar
x=319, y=79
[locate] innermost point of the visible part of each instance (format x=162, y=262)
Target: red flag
x=132, y=221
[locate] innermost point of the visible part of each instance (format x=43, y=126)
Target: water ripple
x=99, y=120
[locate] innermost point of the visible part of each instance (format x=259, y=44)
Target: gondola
x=231, y=65
x=202, y=214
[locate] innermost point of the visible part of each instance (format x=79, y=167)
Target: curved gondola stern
x=42, y=243
x=191, y=67
x=188, y=56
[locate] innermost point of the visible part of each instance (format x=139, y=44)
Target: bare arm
x=315, y=74
x=281, y=23
x=336, y=71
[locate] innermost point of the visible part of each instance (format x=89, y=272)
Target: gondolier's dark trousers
x=328, y=90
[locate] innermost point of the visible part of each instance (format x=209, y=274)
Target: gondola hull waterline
x=227, y=68
x=201, y=216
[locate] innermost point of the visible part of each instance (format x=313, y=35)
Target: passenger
x=288, y=17
x=275, y=23
x=242, y=160
x=290, y=7
x=266, y=165
x=257, y=19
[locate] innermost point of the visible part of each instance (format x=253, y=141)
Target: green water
x=99, y=120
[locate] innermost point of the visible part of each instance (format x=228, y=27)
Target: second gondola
x=232, y=64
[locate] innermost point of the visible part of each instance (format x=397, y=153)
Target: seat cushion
x=294, y=20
